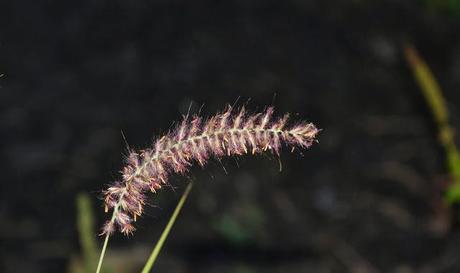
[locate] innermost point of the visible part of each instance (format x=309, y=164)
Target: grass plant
x=232, y=132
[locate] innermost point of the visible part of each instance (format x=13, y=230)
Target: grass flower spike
x=232, y=132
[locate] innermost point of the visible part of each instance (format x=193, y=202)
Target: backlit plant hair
x=231, y=132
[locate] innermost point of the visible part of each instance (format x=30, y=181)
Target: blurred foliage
x=451, y=7
x=231, y=230
x=437, y=103
x=242, y=226
x=86, y=263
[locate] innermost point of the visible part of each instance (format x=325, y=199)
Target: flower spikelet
x=231, y=132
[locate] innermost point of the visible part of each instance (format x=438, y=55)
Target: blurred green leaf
x=453, y=194
x=86, y=262
x=438, y=106
x=85, y=222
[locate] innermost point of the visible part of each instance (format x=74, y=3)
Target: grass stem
x=156, y=250
x=104, y=248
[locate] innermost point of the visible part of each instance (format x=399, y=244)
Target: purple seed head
x=196, y=140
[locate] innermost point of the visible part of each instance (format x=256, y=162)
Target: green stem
x=164, y=235
x=101, y=258
x=106, y=241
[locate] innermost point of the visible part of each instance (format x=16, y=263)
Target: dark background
x=367, y=198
